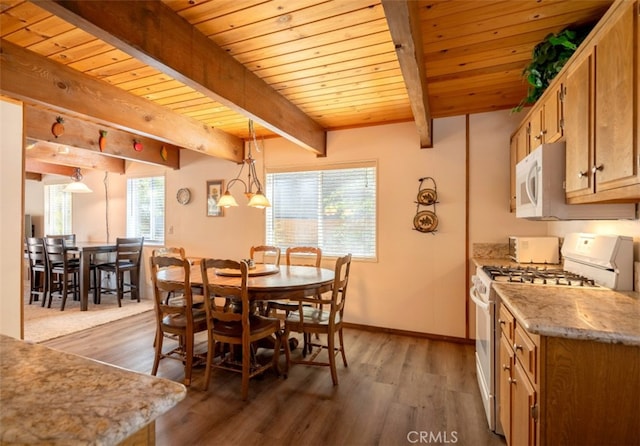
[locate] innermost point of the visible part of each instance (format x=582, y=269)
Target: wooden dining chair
x=316, y=319
x=265, y=254
x=300, y=256
x=240, y=328
x=179, y=322
x=38, y=279
x=128, y=254
x=63, y=273
x=169, y=251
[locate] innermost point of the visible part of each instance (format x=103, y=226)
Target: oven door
x=485, y=311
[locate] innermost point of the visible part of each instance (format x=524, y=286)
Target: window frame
x=66, y=208
x=131, y=228
x=328, y=167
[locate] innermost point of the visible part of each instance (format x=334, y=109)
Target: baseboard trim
x=414, y=334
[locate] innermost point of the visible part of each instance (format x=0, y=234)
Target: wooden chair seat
x=311, y=316
x=180, y=320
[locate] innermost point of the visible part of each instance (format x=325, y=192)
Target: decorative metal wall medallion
x=426, y=220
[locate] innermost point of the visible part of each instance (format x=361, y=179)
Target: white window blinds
x=145, y=209
x=57, y=210
x=333, y=208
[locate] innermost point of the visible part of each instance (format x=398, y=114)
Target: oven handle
x=473, y=293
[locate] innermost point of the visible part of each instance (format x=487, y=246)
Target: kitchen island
x=52, y=397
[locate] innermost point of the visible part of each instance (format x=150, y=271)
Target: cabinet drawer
x=506, y=322
x=526, y=352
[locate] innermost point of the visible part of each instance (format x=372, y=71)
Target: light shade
x=227, y=200
x=77, y=187
x=259, y=201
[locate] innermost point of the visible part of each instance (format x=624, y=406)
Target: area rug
x=42, y=324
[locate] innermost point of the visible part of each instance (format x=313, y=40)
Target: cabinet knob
x=501, y=322
x=511, y=380
x=582, y=174
x=517, y=347
x=599, y=168
x=538, y=137
x=506, y=367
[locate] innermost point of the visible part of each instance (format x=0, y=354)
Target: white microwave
x=540, y=191
x=534, y=249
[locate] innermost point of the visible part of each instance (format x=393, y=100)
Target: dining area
x=246, y=312
x=262, y=313
x=60, y=266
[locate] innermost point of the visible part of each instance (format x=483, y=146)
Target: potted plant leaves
x=548, y=58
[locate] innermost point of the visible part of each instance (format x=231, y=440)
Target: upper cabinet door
x=615, y=163
x=578, y=125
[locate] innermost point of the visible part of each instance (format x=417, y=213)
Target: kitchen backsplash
x=491, y=250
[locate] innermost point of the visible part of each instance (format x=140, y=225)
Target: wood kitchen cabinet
x=594, y=105
x=566, y=391
x=518, y=391
x=601, y=110
x=546, y=117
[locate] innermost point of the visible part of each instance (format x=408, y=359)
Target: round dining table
x=266, y=282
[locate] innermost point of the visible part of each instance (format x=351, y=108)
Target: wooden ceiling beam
x=33, y=176
x=153, y=33
x=41, y=167
x=404, y=25
x=35, y=79
x=62, y=155
x=86, y=135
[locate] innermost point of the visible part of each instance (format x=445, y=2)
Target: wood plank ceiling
x=298, y=68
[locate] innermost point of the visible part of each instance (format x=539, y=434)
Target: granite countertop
x=598, y=314
x=595, y=314
x=52, y=397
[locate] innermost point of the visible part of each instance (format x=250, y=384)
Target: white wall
x=11, y=233
x=418, y=282
x=489, y=176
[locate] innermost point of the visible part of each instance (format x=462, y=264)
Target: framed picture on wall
x=214, y=192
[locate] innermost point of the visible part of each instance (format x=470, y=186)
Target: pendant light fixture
x=257, y=199
x=77, y=186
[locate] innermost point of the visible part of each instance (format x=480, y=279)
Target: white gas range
x=590, y=261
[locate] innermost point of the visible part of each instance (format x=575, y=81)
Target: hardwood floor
x=395, y=388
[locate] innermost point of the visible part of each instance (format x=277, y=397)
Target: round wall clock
x=183, y=196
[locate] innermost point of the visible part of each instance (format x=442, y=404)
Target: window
x=57, y=210
x=145, y=209
x=333, y=208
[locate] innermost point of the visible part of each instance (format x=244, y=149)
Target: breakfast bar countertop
x=596, y=314
x=49, y=396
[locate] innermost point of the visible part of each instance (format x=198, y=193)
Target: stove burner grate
x=537, y=275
